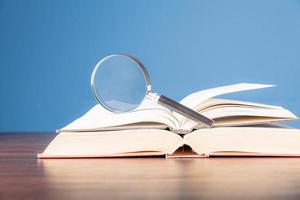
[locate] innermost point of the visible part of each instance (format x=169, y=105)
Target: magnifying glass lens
x=118, y=83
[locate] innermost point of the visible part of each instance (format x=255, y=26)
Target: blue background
x=48, y=50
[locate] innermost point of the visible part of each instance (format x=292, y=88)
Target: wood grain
x=23, y=176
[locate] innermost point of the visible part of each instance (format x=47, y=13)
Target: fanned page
x=151, y=115
x=198, y=100
x=235, y=113
x=148, y=115
x=195, y=99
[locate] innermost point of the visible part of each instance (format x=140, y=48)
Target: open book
x=152, y=129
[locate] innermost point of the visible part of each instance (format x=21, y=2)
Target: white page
x=197, y=98
x=244, y=111
x=98, y=117
x=150, y=111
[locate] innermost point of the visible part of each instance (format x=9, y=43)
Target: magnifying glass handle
x=185, y=111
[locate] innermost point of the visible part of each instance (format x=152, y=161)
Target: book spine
x=172, y=156
x=180, y=131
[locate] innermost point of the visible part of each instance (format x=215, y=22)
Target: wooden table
x=23, y=176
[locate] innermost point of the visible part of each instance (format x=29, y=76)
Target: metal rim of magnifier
x=141, y=67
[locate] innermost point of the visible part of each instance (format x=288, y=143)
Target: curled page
x=197, y=98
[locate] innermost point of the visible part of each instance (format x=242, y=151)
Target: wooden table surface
x=23, y=176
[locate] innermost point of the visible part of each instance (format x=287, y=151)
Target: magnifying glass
x=121, y=82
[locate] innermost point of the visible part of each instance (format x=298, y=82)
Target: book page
x=113, y=143
x=246, y=121
x=245, y=139
x=195, y=99
x=145, y=116
x=213, y=103
x=232, y=112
